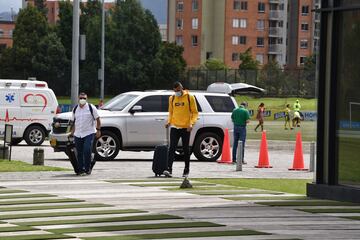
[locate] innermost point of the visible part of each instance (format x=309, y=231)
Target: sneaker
x=186, y=172
x=82, y=174
x=167, y=173
x=244, y=163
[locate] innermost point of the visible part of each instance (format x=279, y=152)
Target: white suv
x=134, y=121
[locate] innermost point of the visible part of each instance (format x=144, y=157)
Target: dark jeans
x=84, y=149
x=175, y=135
x=239, y=134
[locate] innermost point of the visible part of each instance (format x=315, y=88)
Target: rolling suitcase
x=72, y=154
x=160, y=158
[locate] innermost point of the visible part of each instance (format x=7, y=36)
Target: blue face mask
x=178, y=93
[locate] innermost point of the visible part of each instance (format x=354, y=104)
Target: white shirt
x=84, y=121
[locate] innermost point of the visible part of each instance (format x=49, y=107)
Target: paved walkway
x=112, y=183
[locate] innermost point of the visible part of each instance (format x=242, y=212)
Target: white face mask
x=82, y=101
x=178, y=94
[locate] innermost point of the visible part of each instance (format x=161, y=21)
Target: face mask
x=82, y=101
x=178, y=94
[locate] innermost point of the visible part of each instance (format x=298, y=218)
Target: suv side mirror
x=136, y=108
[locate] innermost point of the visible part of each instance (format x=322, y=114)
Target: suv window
x=119, y=102
x=165, y=103
x=220, y=103
x=151, y=104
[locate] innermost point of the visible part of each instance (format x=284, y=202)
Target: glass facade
x=348, y=97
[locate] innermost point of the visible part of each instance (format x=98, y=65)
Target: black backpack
x=90, y=109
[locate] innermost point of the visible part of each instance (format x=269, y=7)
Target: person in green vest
x=240, y=117
x=297, y=106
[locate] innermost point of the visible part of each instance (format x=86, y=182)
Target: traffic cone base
x=226, y=152
x=263, y=154
x=298, y=163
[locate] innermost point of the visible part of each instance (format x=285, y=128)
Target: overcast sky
x=158, y=7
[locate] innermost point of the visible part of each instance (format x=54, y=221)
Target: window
x=260, y=41
x=119, y=102
x=194, y=40
x=1, y=32
x=243, y=5
x=236, y=5
x=261, y=7
x=180, y=6
x=194, y=23
x=260, y=24
x=304, y=44
x=243, y=23
x=209, y=55
x=220, y=104
x=242, y=40
x=260, y=58
x=194, y=5
x=235, y=40
x=239, y=23
x=235, y=57
x=236, y=23
x=179, y=40
x=179, y=23
x=302, y=60
x=304, y=27
x=150, y=104
x=305, y=10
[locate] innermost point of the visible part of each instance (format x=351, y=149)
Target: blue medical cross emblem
x=10, y=97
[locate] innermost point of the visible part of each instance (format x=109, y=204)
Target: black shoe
x=244, y=163
x=186, y=172
x=88, y=172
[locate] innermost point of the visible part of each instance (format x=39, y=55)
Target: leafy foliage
x=214, y=64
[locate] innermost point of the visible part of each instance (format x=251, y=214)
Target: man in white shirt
x=84, y=117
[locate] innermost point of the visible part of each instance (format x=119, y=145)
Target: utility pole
x=102, y=52
x=75, y=54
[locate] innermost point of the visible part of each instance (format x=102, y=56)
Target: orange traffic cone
x=226, y=153
x=263, y=155
x=298, y=163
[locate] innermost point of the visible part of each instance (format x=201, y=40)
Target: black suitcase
x=160, y=158
x=71, y=153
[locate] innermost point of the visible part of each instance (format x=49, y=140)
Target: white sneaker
x=167, y=173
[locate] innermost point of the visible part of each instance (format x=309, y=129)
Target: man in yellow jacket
x=183, y=115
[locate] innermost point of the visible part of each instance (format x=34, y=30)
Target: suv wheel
x=34, y=135
x=208, y=146
x=107, y=146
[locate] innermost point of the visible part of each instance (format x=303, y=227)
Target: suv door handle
x=159, y=119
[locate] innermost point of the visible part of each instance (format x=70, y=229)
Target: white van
x=30, y=107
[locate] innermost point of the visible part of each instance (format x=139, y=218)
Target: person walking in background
x=240, y=117
x=84, y=129
x=287, y=117
x=183, y=114
x=297, y=108
x=260, y=116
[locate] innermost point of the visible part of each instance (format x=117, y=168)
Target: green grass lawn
x=93, y=100
x=275, y=131
x=278, y=104
x=296, y=186
x=349, y=163
x=18, y=166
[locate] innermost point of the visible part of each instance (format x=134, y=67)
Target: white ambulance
x=30, y=107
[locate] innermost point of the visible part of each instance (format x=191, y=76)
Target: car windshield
x=119, y=102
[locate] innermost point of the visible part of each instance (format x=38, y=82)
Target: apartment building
x=225, y=28
x=6, y=32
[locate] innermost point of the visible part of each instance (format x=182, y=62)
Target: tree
x=247, y=61
x=132, y=42
x=51, y=63
x=64, y=26
x=169, y=65
x=215, y=64
x=41, y=6
x=6, y=63
x=31, y=26
x=272, y=77
x=248, y=67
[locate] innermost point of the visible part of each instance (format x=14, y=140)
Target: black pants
x=175, y=135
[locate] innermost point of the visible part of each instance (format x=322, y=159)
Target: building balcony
x=317, y=33
x=275, y=49
x=276, y=15
x=275, y=32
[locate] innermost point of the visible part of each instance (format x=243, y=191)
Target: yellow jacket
x=182, y=112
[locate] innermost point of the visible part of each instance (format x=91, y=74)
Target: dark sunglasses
x=82, y=98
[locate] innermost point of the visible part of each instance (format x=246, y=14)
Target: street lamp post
x=102, y=52
x=75, y=53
